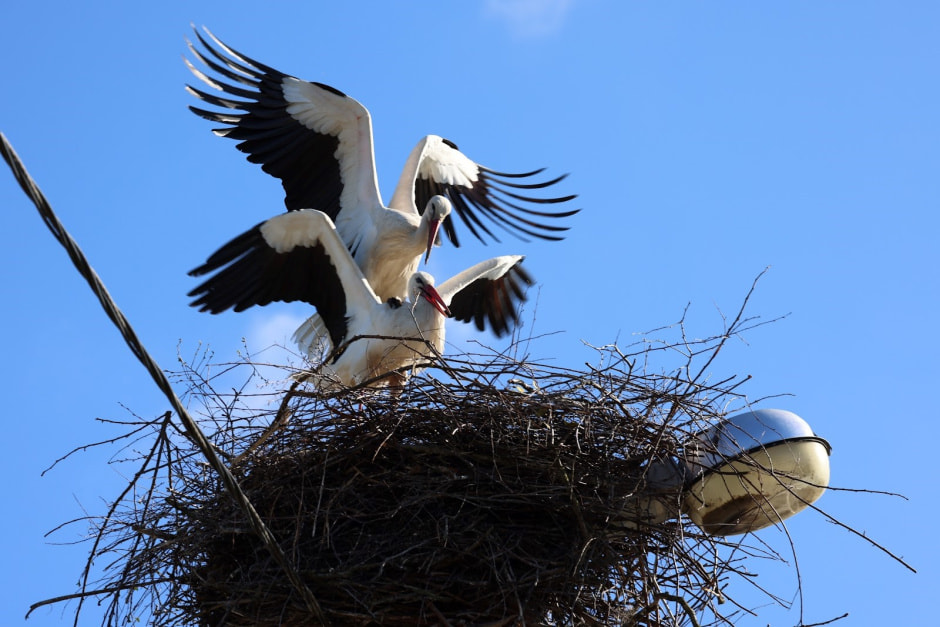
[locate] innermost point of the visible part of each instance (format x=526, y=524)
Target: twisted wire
x=31, y=189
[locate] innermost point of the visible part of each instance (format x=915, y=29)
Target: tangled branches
x=493, y=491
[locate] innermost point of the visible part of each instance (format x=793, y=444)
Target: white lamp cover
x=754, y=470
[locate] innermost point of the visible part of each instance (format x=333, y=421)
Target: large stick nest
x=472, y=504
x=492, y=491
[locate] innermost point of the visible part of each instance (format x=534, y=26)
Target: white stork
x=299, y=256
x=318, y=142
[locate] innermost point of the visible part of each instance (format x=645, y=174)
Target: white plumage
x=250, y=270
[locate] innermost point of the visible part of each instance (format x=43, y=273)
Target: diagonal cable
x=117, y=317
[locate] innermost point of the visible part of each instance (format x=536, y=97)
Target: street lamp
x=741, y=474
x=753, y=470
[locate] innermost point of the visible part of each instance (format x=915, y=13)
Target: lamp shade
x=753, y=470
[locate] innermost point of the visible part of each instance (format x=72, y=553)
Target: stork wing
x=292, y=256
x=481, y=196
x=314, y=138
x=488, y=292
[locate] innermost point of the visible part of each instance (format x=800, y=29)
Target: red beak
x=432, y=237
x=432, y=296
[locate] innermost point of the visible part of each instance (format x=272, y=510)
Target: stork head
x=437, y=209
x=422, y=286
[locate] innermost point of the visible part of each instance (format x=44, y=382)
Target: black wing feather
x=493, y=301
x=491, y=198
x=301, y=158
x=248, y=273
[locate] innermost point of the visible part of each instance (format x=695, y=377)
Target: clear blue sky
x=706, y=141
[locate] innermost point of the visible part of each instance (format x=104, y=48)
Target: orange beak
x=432, y=237
x=432, y=296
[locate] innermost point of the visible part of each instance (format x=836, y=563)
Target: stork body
x=318, y=142
x=394, y=257
x=394, y=340
x=252, y=269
